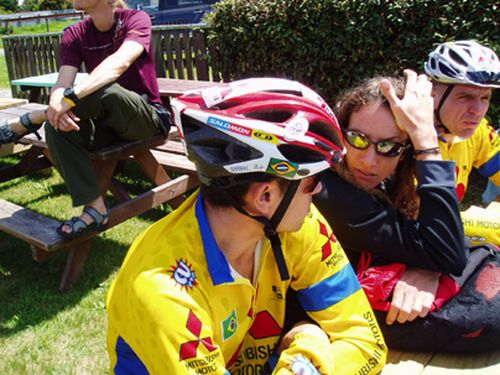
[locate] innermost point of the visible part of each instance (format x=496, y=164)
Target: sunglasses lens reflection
x=388, y=148
x=384, y=148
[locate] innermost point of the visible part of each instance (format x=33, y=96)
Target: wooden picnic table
x=168, y=87
x=155, y=156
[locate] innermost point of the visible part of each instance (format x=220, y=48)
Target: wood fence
x=180, y=51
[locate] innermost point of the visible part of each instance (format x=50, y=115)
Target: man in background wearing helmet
x=464, y=74
x=204, y=289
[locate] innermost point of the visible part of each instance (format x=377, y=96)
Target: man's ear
x=262, y=198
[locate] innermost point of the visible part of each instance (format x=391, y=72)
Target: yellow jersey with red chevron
x=177, y=307
x=481, y=151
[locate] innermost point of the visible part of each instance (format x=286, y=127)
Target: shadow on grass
x=29, y=292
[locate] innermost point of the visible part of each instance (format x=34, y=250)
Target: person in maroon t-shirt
x=119, y=100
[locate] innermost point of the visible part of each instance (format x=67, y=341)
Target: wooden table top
x=177, y=87
x=167, y=86
x=43, y=80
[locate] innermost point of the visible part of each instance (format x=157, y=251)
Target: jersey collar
x=218, y=267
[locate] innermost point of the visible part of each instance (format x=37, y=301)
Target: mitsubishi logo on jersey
x=264, y=326
x=190, y=349
x=326, y=249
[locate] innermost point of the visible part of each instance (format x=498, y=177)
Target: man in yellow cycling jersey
x=204, y=289
x=464, y=74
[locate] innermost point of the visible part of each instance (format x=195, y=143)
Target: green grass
x=43, y=331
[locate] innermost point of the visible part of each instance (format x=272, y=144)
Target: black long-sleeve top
x=435, y=241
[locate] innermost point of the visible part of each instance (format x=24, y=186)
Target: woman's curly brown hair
x=401, y=193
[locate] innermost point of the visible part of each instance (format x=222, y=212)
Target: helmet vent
x=189, y=124
x=446, y=70
x=225, y=105
x=217, y=151
x=271, y=115
x=328, y=132
x=297, y=154
x=458, y=59
x=432, y=61
x=285, y=92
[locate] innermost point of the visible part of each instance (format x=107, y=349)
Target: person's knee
x=50, y=132
x=112, y=94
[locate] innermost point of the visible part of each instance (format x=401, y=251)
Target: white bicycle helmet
x=464, y=62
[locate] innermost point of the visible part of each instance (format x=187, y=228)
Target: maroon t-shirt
x=83, y=42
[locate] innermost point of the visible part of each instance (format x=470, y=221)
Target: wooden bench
x=40, y=231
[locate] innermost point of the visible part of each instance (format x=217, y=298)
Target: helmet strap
x=437, y=111
x=270, y=225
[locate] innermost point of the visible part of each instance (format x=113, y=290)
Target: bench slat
x=174, y=162
x=29, y=226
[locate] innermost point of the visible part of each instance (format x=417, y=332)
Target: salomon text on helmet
x=464, y=62
x=269, y=125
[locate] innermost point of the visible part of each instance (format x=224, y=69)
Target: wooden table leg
x=41, y=255
x=74, y=265
x=34, y=95
x=155, y=172
x=104, y=171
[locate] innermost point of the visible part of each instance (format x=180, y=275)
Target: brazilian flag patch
x=229, y=326
x=282, y=168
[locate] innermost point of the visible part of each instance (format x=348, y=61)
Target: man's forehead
x=466, y=89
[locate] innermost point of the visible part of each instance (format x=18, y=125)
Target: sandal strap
x=77, y=226
x=26, y=122
x=96, y=215
x=6, y=133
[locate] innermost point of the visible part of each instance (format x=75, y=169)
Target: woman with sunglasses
x=394, y=208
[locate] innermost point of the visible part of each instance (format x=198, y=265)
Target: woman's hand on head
x=414, y=112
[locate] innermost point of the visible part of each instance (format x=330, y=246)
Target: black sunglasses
x=386, y=148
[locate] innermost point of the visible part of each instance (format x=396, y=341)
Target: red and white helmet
x=464, y=62
x=268, y=125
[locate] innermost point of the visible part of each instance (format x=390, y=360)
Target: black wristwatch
x=70, y=96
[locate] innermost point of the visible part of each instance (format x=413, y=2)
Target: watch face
x=69, y=93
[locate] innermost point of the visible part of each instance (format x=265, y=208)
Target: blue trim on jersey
x=127, y=361
x=329, y=291
x=216, y=260
x=491, y=167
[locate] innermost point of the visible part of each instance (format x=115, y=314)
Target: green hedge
x=330, y=45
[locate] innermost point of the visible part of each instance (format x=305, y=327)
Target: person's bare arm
x=108, y=71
